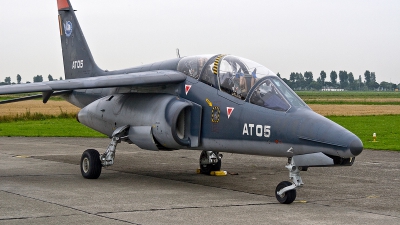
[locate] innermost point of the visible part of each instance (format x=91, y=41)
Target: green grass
x=385, y=127
x=47, y=127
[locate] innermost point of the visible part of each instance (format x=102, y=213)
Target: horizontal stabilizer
x=149, y=78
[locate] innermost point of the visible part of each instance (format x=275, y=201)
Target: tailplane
x=78, y=60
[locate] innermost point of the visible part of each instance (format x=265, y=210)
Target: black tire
x=208, y=168
x=90, y=164
x=289, y=196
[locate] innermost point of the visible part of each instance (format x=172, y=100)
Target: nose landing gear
x=92, y=162
x=210, y=161
x=285, y=192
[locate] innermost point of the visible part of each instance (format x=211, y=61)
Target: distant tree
x=38, y=78
x=308, y=77
x=333, y=76
x=367, y=77
x=343, y=77
x=299, y=80
x=351, y=78
x=60, y=78
x=353, y=86
x=18, y=78
x=7, y=80
x=373, y=77
x=292, y=80
x=278, y=75
x=292, y=77
x=323, y=77
x=50, y=77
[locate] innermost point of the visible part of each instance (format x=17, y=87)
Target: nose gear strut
x=107, y=158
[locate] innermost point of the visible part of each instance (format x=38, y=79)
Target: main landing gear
x=285, y=192
x=92, y=162
x=210, y=161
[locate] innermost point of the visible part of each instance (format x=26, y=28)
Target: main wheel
x=90, y=164
x=289, y=196
x=207, y=168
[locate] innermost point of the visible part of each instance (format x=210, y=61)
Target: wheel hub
x=85, y=165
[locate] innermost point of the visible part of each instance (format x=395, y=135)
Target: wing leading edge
x=150, y=78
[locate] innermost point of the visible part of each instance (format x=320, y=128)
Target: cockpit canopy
x=229, y=73
x=242, y=78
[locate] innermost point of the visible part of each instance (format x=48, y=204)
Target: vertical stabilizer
x=78, y=61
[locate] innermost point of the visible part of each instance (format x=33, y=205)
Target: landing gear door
x=194, y=124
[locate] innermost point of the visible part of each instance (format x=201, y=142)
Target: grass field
x=52, y=107
x=386, y=128
x=53, y=127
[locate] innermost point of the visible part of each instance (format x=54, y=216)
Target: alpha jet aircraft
x=214, y=103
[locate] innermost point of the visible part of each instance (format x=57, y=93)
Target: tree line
x=37, y=78
x=346, y=81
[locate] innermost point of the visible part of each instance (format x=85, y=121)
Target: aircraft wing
x=149, y=78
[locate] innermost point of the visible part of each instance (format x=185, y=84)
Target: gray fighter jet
x=214, y=103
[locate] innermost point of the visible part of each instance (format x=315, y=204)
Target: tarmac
x=40, y=183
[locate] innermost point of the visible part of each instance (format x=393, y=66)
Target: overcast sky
x=285, y=36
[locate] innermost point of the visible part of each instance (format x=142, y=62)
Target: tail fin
x=78, y=60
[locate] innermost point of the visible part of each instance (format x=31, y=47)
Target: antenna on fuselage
x=177, y=53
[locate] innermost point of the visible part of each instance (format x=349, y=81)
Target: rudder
x=77, y=58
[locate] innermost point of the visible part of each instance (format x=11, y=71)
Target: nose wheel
x=287, y=197
x=90, y=164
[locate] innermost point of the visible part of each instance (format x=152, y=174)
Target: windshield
x=272, y=93
x=290, y=96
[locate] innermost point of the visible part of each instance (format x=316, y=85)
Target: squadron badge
x=68, y=28
x=215, y=114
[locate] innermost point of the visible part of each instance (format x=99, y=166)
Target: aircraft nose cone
x=356, y=147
